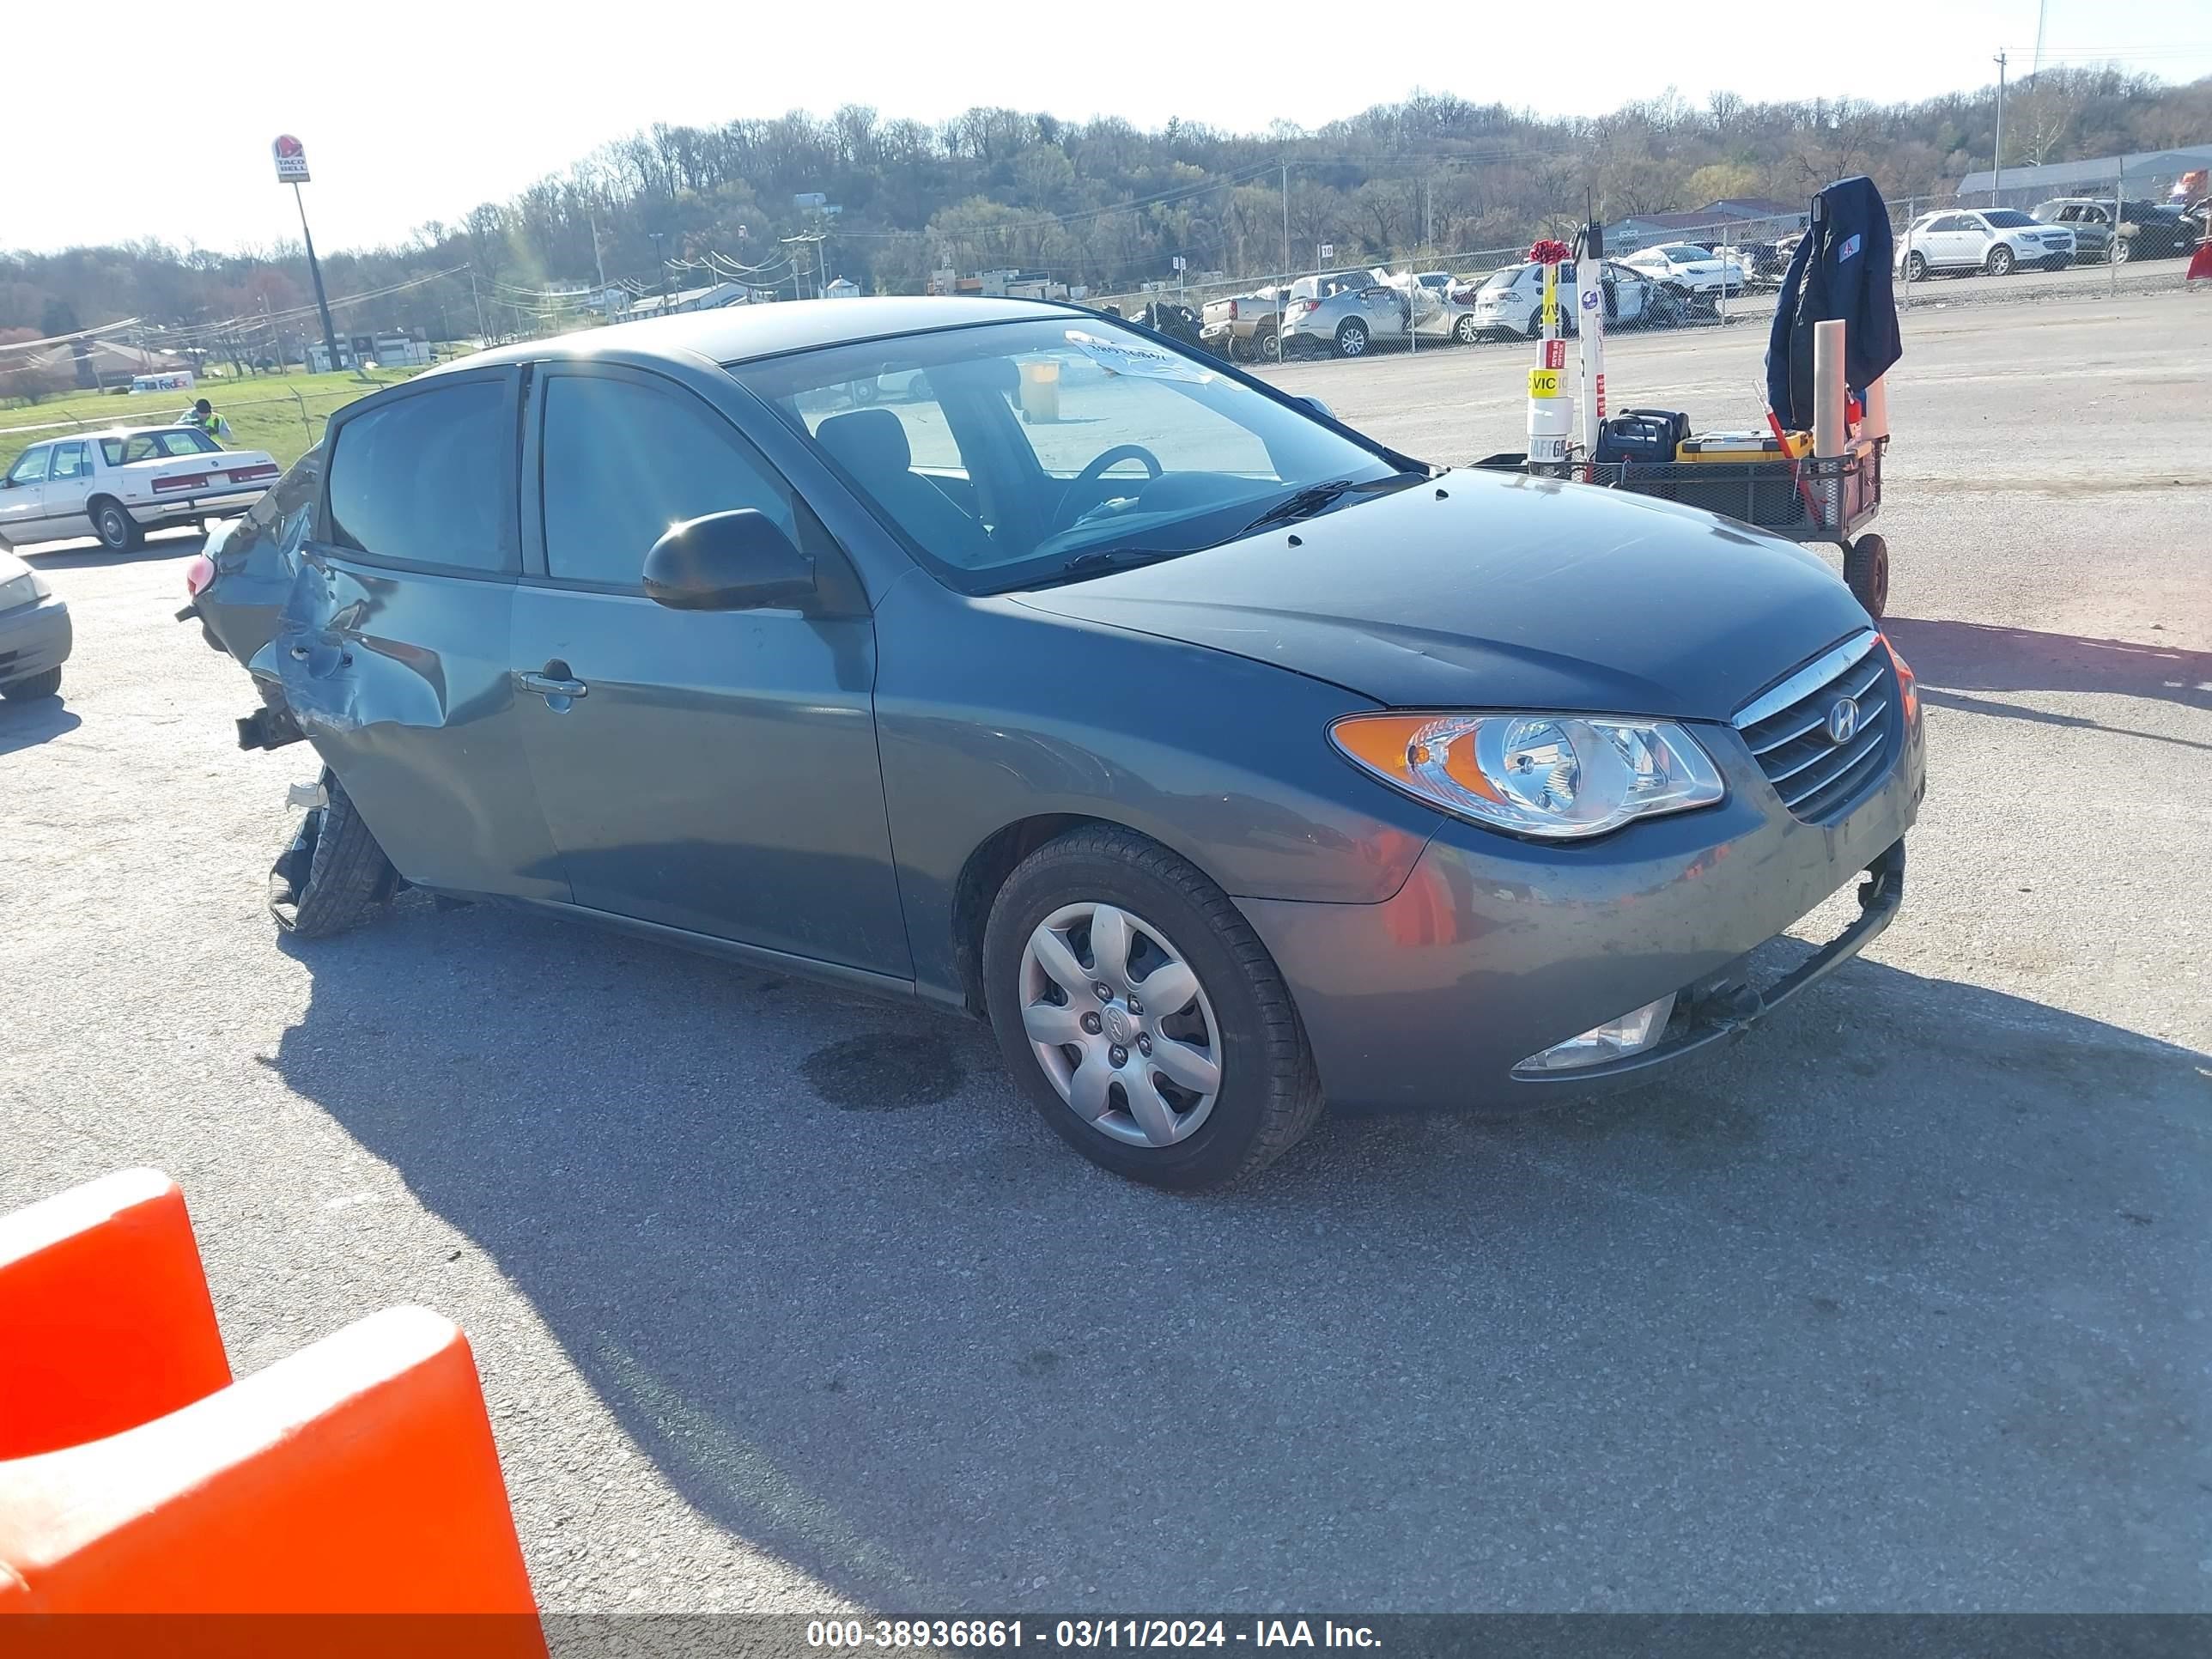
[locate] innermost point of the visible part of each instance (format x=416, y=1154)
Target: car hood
x=1497, y=589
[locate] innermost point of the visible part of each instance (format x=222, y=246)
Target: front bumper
x=1496, y=949
x=34, y=638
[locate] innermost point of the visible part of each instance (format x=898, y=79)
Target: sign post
x=292, y=169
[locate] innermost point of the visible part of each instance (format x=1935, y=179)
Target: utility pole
x=1997, y=152
x=657, y=237
x=484, y=334
x=599, y=259
x=1286, y=222
x=315, y=270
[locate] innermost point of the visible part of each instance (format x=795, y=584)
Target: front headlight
x=1557, y=777
x=25, y=589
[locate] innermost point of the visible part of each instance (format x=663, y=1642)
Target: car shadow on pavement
x=79, y=555
x=26, y=725
x=1955, y=658
x=1900, y=1299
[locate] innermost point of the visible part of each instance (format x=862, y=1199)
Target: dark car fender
x=1000, y=727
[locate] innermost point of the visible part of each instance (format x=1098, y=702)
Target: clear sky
x=413, y=111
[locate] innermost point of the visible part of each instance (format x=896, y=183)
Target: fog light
x=1617, y=1039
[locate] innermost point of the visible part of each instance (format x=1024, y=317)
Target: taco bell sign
x=291, y=160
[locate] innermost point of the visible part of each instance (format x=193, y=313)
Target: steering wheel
x=1097, y=469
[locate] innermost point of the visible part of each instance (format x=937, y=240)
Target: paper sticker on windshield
x=1135, y=357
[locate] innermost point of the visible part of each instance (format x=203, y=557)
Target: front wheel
x=1916, y=268
x=48, y=684
x=117, y=530
x=1866, y=572
x=1143, y=1017
x=2121, y=251
x=1352, y=338
x=2000, y=262
x=1464, y=330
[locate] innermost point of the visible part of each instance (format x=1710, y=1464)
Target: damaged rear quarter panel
x=401, y=681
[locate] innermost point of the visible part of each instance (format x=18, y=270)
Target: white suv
x=1995, y=240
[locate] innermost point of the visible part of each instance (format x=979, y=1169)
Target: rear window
x=425, y=478
x=165, y=444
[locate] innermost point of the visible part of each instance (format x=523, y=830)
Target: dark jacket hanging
x=1841, y=270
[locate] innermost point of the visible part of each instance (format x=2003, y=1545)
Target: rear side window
x=424, y=479
x=624, y=460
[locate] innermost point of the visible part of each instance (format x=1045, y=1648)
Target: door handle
x=550, y=684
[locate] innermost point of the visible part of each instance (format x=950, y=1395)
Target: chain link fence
x=2086, y=244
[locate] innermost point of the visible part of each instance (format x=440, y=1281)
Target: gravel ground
x=783, y=1301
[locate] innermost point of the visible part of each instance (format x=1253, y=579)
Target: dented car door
x=394, y=647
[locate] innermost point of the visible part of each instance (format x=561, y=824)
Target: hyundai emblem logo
x=1843, y=720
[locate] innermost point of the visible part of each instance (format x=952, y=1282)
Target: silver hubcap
x=1117, y=1018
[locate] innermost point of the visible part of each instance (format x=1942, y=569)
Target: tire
x=1268, y=346
x=1268, y=1094
x=1352, y=338
x=2000, y=262
x=1916, y=267
x=1463, y=330
x=117, y=530
x=2120, y=252
x=1866, y=572
x=333, y=874
x=866, y=393
x=48, y=684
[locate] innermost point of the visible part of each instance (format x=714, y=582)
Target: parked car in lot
x=1510, y=304
x=1697, y=270
x=1245, y=326
x=2147, y=230
x=35, y=633
x=1222, y=758
x=1452, y=316
x=120, y=484
x=1996, y=241
x=1342, y=313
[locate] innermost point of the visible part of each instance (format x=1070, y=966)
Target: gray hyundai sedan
x=1005, y=656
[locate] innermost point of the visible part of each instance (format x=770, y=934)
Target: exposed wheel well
x=980, y=878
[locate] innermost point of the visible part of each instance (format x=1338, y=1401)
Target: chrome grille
x=1787, y=731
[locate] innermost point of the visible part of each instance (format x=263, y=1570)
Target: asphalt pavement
x=783, y=1301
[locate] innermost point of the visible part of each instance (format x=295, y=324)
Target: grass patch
x=282, y=414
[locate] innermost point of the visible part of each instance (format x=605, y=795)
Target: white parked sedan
x=1994, y=240
x=1697, y=269
x=119, y=484
x=1510, y=303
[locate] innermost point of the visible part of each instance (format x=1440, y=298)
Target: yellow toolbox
x=1742, y=447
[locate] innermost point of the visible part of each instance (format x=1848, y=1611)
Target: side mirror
x=739, y=561
x=1319, y=408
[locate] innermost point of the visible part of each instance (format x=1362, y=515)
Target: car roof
x=742, y=333
x=121, y=431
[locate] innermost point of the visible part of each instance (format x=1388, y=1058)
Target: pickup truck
x=1246, y=326
x=120, y=484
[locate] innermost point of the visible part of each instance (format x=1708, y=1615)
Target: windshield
x=1003, y=453
x=1684, y=251
x=2007, y=219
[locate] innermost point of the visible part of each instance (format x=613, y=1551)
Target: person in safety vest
x=202, y=415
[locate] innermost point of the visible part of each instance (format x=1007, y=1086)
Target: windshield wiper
x=1100, y=560
x=1316, y=497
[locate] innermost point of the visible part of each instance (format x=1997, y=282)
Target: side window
x=623, y=461
x=71, y=461
x=30, y=467
x=425, y=478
